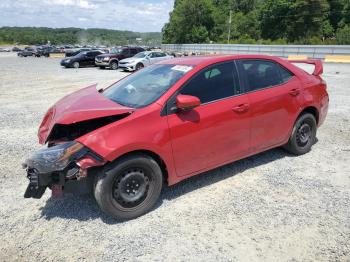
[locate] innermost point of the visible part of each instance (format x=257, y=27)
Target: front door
x=218, y=130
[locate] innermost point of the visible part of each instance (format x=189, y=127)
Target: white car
x=142, y=59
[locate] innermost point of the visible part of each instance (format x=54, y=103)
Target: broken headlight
x=56, y=158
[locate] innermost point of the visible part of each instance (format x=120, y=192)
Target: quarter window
x=263, y=74
x=213, y=83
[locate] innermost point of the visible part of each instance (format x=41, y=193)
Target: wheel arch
x=114, y=60
x=312, y=110
x=151, y=154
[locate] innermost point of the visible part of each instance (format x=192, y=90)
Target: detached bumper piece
x=34, y=190
x=39, y=182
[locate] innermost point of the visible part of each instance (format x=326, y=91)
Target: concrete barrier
x=310, y=51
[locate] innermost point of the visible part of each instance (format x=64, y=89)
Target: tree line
x=41, y=35
x=259, y=21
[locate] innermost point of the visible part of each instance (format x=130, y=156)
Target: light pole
x=229, y=27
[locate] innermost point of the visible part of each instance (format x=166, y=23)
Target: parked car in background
x=173, y=120
x=5, y=50
x=142, y=59
x=112, y=59
x=83, y=59
x=47, y=50
x=28, y=51
x=16, y=49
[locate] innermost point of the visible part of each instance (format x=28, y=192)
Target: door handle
x=294, y=92
x=241, y=108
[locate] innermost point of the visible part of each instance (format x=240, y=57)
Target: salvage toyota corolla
x=173, y=120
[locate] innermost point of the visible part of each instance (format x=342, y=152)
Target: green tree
x=343, y=35
x=190, y=22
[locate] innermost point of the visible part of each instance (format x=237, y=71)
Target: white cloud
x=143, y=15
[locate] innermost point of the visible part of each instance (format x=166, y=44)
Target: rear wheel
x=76, y=65
x=303, y=135
x=130, y=188
x=114, y=65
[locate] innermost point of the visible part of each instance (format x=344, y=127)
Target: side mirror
x=186, y=102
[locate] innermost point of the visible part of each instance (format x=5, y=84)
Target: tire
x=139, y=66
x=76, y=65
x=129, y=187
x=303, y=135
x=114, y=65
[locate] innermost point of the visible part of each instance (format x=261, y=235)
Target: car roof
x=207, y=60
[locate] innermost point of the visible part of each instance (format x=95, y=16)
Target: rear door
x=161, y=56
x=90, y=57
x=125, y=53
x=218, y=130
x=273, y=93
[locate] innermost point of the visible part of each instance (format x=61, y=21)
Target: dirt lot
x=272, y=207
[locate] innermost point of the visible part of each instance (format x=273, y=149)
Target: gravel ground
x=272, y=207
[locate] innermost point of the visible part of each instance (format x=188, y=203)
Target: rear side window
x=263, y=74
x=160, y=54
x=213, y=83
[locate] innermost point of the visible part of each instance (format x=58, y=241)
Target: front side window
x=125, y=52
x=213, y=83
x=145, y=86
x=262, y=74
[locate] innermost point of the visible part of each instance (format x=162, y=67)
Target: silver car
x=142, y=59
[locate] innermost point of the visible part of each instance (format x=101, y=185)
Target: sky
x=133, y=15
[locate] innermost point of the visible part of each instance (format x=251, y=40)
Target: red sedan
x=171, y=121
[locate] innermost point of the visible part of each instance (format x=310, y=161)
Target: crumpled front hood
x=82, y=105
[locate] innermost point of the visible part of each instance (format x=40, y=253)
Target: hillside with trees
x=41, y=35
x=259, y=21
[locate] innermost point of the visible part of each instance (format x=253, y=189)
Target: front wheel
x=139, y=66
x=114, y=65
x=130, y=187
x=76, y=65
x=303, y=135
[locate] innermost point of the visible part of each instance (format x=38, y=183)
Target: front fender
x=140, y=131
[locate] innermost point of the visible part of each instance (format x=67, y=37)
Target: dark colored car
x=112, y=59
x=28, y=51
x=173, y=120
x=47, y=50
x=83, y=59
x=16, y=49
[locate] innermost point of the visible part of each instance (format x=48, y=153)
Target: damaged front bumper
x=59, y=167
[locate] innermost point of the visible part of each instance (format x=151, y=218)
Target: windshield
x=140, y=55
x=145, y=86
